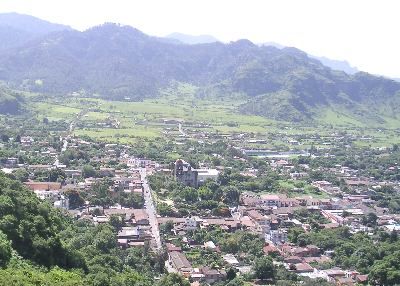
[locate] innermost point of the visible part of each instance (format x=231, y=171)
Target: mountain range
x=17, y=30
x=192, y=40
x=118, y=62
x=333, y=64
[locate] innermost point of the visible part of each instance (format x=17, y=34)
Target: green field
x=213, y=115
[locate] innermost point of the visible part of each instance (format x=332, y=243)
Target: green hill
x=10, y=101
x=121, y=63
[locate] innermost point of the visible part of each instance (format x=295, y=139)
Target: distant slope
x=192, y=40
x=120, y=62
x=336, y=64
x=333, y=64
x=17, y=29
x=10, y=101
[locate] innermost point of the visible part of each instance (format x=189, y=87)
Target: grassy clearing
x=145, y=118
x=55, y=111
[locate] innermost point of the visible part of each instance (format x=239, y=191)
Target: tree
x=5, y=249
x=173, y=279
x=231, y=195
x=56, y=175
x=230, y=274
x=165, y=210
x=167, y=227
x=236, y=282
x=88, y=171
x=75, y=199
x=369, y=219
x=18, y=138
x=21, y=175
x=264, y=268
x=105, y=240
x=117, y=222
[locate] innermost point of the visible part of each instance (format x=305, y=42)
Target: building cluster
x=184, y=173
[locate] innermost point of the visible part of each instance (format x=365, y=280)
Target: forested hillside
x=39, y=245
x=10, y=101
x=120, y=62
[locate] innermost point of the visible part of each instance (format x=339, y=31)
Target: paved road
x=181, y=130
x=65, y=143
x=151, y=210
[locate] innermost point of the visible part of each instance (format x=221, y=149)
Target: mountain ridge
x=119, y=62
x=18, y=29
x=192, y=39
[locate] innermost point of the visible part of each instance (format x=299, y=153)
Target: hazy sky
x=364, y=32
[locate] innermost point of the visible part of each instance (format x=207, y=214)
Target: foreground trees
x=263, y=268
x=41, y=246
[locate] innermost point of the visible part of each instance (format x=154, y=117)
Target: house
x=106, y=172
x=293, y=260
x=213, y=275
x=11, y=162
x=141, y=217
x=230, y=259
x=226, y=223
x=180, y=263
x=334, y=274
x=133, y=236
x=345, y=281
x=270, y=250
x=250, y=201
x=210, y=245
x=258, y=218
x=276, y=236
x=298, y=175
x=317, y=259
x=310, y=250
x=247, y=223
x=129, y=233
x=270, y=200
x=362, y=279
x=73, y=173
x=27, y=141
x=191, y=223
x=43, y=186
x=303, y=268
x=100, y=219
x=127, y=183
x=35, y=168
x=127, y=213
x=171, y=247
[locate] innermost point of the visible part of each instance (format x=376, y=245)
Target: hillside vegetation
x=39, y=245
x=10, y=101
x=121, y=63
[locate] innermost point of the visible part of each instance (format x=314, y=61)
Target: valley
x=130, y=159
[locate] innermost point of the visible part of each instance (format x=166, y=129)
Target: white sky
x=363, y=32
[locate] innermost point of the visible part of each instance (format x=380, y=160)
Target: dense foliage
x=39, y=244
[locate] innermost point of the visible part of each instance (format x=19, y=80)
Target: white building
x=205, y=174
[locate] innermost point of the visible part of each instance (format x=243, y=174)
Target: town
x=223, y=210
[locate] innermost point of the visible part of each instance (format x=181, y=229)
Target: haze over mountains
x=192, y=40
x=120, y=62
x=17, y=29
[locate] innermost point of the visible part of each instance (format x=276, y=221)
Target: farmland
x=159, y=117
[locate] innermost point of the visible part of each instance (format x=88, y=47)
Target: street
x=151, y=210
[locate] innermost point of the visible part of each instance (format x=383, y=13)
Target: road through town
x=151, y=209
